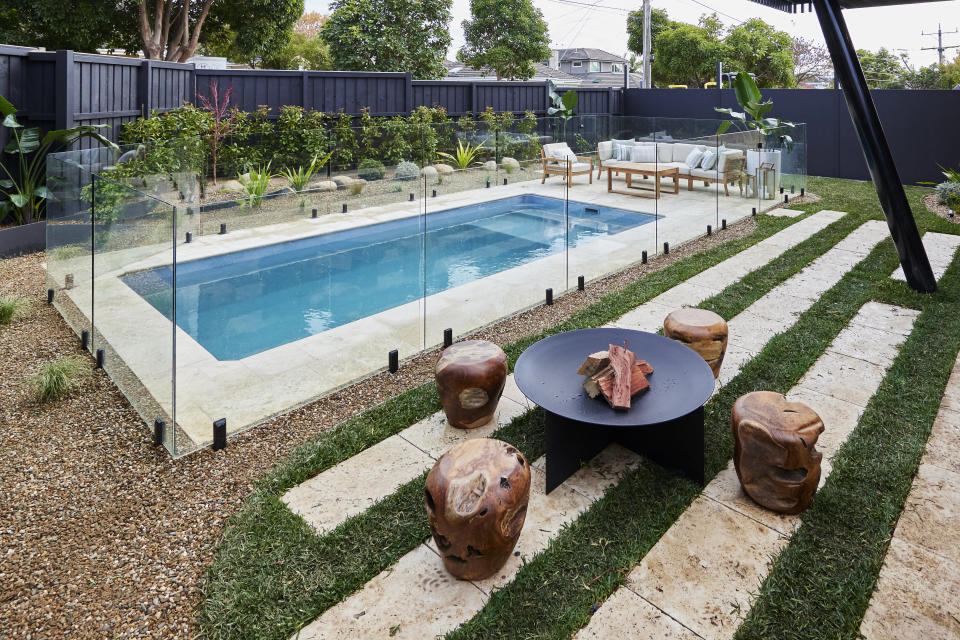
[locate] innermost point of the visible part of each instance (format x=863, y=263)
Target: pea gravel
x=104, y=536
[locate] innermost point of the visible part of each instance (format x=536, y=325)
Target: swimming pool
x=238, y=304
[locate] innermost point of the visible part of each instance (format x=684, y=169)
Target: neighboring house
x=457, y=71
x=594, y=67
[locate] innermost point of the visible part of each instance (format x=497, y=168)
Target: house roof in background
x=790, y=5
x=583, y=53
x=459, y=71
x=607, y=80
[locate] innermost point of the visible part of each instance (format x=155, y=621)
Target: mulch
x=105, y=536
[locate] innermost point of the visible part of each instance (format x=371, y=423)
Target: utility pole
x=646, y=44
x=940, y=48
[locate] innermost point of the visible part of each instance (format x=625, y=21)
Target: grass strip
x=820, y=585
x=552, y=596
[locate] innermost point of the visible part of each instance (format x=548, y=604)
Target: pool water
x=239, y=304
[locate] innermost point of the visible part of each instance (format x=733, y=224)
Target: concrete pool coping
x=253, y=389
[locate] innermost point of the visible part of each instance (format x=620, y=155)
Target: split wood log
x=638, y=381
x=621, y=361
x=594, y=363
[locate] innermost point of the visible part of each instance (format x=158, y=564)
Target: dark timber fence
x=59, y=89
x=921, y=126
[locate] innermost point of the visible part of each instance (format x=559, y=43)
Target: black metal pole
x=863, y=112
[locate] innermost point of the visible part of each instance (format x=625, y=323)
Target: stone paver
x=417, y=598
x=702, y=572
x=635, y=618
x=916, y=592
x=941, y=248
x=354, y=485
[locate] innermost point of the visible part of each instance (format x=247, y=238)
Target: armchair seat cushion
x=574, y=167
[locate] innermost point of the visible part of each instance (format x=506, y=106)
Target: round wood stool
x=703, y=331
x=774, y=450
x=470, y=377
x=477, y=495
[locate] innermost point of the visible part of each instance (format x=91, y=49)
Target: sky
x=601, y=23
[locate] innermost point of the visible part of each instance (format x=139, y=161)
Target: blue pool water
x=239, y=304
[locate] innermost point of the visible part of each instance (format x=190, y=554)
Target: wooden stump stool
x=774, y=450
x=470, y=377
x=703, y=331
x=477, y=495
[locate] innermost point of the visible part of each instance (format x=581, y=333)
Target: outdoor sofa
x=727, y=167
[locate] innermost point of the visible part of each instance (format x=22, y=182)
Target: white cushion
x=682, y=149
x=709, y=160
x=622, y=151
x=605, y=150
x=703, y=173
x=664, y=152
x=559, y=151
x=725, y=155
x=580, y=166
x=627, y=142
x=643, y=154
x=693, y=158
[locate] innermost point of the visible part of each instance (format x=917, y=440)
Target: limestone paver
x=941, y=248
x=418, y=599
x=640, y=621
x=785, y=213
x=931, y=515
x=703, y=571
x=946, y=433
x=646, y=317
x=886, y=317
x=859, y=243
x=844, y=378
x=915, y=597
x=704, y=568
x=435, y=436
x=350, y=488
x=916, y=591
x=414, y=599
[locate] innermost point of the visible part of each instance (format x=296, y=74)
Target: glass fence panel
x=272, y=320
x=495, y=233
x=792, y=143
x=69, y=236
x=133, y=299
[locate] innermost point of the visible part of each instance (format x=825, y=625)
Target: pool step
x=699, y=579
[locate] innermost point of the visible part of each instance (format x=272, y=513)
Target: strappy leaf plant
x=23, y=192
x=255, y=184
x=465, y=155
x=753, y=105
x=300, y=177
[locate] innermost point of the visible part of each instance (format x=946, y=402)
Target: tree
x=811, y=62
x=928, y=77
x=756, y=47
x=170, y=30
x=883, y=69
x=950, y=74
x=81, y=25
x=389, y=35
x=507, y=36
x=252, y=31
x=659, y=21
x=686, y=54
x=310, y=24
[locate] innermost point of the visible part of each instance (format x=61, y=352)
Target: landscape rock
x=444, y=169
x=428, y=172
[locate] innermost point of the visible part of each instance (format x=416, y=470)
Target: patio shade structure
x=863, y=112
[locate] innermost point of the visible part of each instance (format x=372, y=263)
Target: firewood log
x=621, y=361
x=594, y=363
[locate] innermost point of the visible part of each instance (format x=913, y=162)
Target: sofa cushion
x=622, y=151
x=643, y=153
x=605, y=150
x=629, y=141
x=559, y=151
x=682, y=149
x=709, y=160
x=694, y=157
x=710, y=174
x=726, y=155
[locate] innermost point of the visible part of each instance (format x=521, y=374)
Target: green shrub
x=370, y=169
x=407, y=170
x=947, y=190
x=344, y=141
x=11, y=307
x=58, y=378
x=255, y=185
x=356, y=188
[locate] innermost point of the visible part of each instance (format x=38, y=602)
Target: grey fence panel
x=455, y=97
x=920, y=125
x=170, y=86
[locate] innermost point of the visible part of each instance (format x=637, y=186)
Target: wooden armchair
x=566, y=168
x=735, y=171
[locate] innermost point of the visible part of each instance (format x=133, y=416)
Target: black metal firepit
x=664, y=423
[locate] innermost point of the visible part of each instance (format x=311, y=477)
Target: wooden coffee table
x=664, y=423
x=647, y=170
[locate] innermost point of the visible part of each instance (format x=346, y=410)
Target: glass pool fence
x=219, y=294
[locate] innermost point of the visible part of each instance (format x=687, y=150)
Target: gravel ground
x=930, y=202
x=102, y=535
